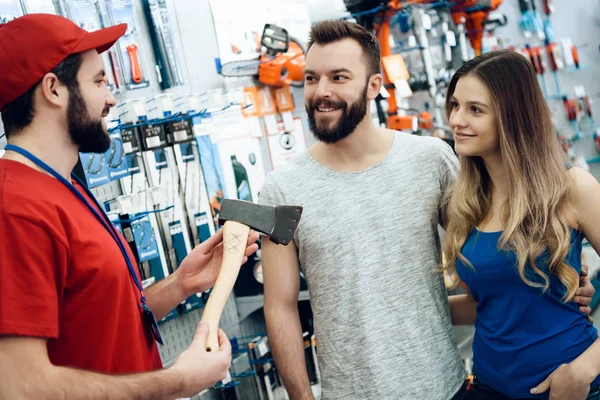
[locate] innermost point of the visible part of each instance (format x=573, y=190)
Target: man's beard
x=346, y=124
x=88, y=134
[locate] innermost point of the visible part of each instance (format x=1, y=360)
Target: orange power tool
x=281, y=64
x=474, y=13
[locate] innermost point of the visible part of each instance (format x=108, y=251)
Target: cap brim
x=101, y=40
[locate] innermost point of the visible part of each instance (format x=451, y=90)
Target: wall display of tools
x=175, y=224
x=129, y=58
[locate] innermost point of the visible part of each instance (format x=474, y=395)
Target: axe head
x=279, y=223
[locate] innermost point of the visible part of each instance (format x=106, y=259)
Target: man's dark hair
x=329, y=31
x=19, y=113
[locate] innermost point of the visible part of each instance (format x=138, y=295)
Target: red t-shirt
x=63, y=277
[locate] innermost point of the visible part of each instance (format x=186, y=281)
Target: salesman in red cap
x=75, y=321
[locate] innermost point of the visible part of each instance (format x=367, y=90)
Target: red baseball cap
x=32, y=45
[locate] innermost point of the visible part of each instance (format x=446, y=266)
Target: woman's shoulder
x=583, y=185
x=584, y=192
x=582, y=179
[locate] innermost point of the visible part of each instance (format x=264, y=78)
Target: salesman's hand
x=199, y=270
x=584, y=294
x=565, y=383
x=199, y=369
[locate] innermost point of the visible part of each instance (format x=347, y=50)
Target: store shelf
x=246, y=305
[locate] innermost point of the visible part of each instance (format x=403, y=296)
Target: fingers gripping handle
x=235, y=237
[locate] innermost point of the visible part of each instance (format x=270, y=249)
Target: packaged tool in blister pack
x=133, y=67
x=95, y=169
x=88, y=15
x=115, y=157
x=243, y=167
x=180, y=135
x=163, y=41
x=212, y=168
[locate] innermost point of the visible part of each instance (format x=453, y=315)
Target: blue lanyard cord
x=103, y=219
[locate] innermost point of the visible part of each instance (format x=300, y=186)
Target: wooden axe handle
x=235, y=239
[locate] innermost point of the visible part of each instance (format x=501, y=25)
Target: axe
x=237, y=218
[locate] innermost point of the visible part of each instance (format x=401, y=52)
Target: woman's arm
x=463, y=308
x=588, y=363
x=586, y=207
x=572, y=381
x=585, y=204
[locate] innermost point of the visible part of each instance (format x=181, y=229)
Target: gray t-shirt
x=369, y=247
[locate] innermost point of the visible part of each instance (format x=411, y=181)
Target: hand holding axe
x=237, y=218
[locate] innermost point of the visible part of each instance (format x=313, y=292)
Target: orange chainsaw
x=280, y=63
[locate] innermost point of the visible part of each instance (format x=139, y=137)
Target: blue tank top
x=521, y=334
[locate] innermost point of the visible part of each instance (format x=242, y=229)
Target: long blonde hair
x=539, y=188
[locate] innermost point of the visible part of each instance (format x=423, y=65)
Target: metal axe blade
x=279, y=223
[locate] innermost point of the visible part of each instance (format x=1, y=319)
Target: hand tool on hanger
x=548, y=6
x=535, y=56
x=548, y=9
x=238, y=217
x=530, y=22
x=553, y=60
x=115, y=67
x=475, y=14
x=572, y=110
x=164, y=46
x=281, y=63
x=587, y=108
x=575, y=54
x=136, y=71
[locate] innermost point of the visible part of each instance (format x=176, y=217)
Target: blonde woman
x=517, y=217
